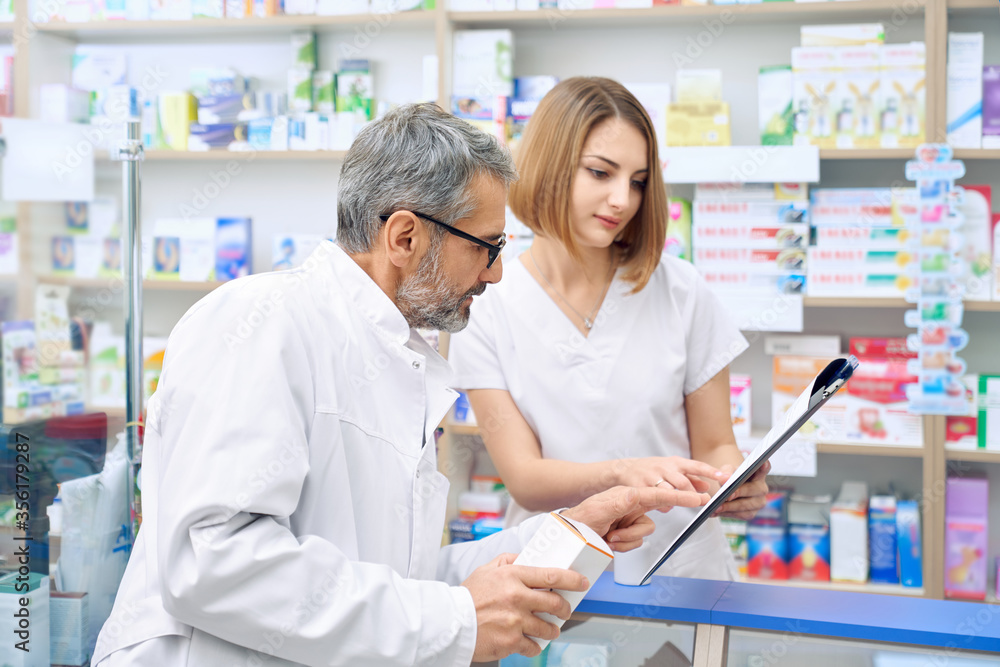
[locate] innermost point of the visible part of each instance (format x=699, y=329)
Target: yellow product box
x=177, y=112
x=815, y=91
x=902, y=123
x=698, y=124
x=859, y=99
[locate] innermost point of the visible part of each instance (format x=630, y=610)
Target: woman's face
x=609, y=183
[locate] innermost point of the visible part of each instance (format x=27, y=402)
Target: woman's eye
x=598, y=173
x=639, y=185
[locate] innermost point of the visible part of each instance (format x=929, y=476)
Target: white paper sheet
x=46, y=161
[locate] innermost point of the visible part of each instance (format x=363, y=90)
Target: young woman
x=598, y=360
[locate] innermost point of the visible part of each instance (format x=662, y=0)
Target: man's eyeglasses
x=492, y=250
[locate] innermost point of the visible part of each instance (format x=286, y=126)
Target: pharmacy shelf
x=973, y=455
x=888, y=302
x=881, y=589
x=246, y=156
x=772, y=11
x=979, y=153
x=868, y=450
x=212, y=28
x=972, y=4
x=853, y=302
x=117, y=284
x=866, y=154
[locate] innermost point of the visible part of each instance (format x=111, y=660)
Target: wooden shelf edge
x=868, y=450
x=249, y=23
x=972, y=4
x=972, y=455
x=118, y=284
x=978, y=153
x=770, y=9
x=159, y=155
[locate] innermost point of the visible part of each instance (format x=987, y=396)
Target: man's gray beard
x=427, y=301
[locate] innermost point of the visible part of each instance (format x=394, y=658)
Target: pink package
x=965, y=538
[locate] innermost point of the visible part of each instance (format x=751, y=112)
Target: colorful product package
x=977, y=233
x=767, y=552
x=809, y=537
x=739, y=404
x=355, y=88
x=991, y=106
x=774, y=105
x=814, y=92
x=965, y=538
x=791, y=375
x=735, y=531
x=962, y=431
x=753, y=236
x=910, y=544
x=678, y=240
x=882, y=539
x=965, y=89
x=849, y=534
x=877, y=407
x=232, y=248
x=859, y=99
x=698, y=124
x=903, y=87
x=989, y=412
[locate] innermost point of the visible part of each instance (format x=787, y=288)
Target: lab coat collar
x=367, y=296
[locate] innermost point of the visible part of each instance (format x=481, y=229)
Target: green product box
x=988, y=427
x=354, y=87
x=774, y=105
x=304, y=49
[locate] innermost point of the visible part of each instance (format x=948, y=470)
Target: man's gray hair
x=415, y=158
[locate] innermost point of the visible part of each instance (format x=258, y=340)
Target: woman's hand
x=668, y=472
x=749, y=498
x=619, y=514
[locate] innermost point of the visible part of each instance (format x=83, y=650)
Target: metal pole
x=131, y=154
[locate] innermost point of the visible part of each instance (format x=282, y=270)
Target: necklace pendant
x=587, y=323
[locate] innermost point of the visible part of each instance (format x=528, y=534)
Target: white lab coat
x=291, y=513
x=617, y=393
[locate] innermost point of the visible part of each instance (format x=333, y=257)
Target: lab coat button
x=418, y=474
x=416, y=364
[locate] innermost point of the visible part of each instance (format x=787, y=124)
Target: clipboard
x=819, y=391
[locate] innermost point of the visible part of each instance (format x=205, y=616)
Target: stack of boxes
x=198, y=249
x=859, y=250
x=482, y=78
x=845, y=89
x=480, y=510
x=751, y=238
x=90, y=246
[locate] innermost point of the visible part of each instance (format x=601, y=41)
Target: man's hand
x=749, y=498
x=619, y=514
x=506, y=600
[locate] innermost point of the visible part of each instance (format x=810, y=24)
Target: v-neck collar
x=615, y=283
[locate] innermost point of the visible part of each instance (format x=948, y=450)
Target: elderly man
x=293, y=507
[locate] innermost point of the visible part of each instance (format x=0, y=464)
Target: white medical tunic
x=617, y=393
x=293, y=510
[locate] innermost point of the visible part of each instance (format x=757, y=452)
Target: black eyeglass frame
x=492, y=250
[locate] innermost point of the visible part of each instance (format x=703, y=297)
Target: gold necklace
x=587, y=322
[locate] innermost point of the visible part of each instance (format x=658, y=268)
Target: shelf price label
x=934, y=221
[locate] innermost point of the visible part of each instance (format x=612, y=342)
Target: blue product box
x=809, y=552
x=217, y=135
x=534, y=87
x=882, y=539
x=483, y=527
x=259, y=133
x=775, y=512
x=219, y=109
x=910, y=544
x=767, y=552
x=63, y=255
x=232, y=248
x=77, y=217
x=460, y=530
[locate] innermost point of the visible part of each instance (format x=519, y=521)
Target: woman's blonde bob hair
x=549, y=156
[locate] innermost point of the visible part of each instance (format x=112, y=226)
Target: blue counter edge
x=944, y=624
